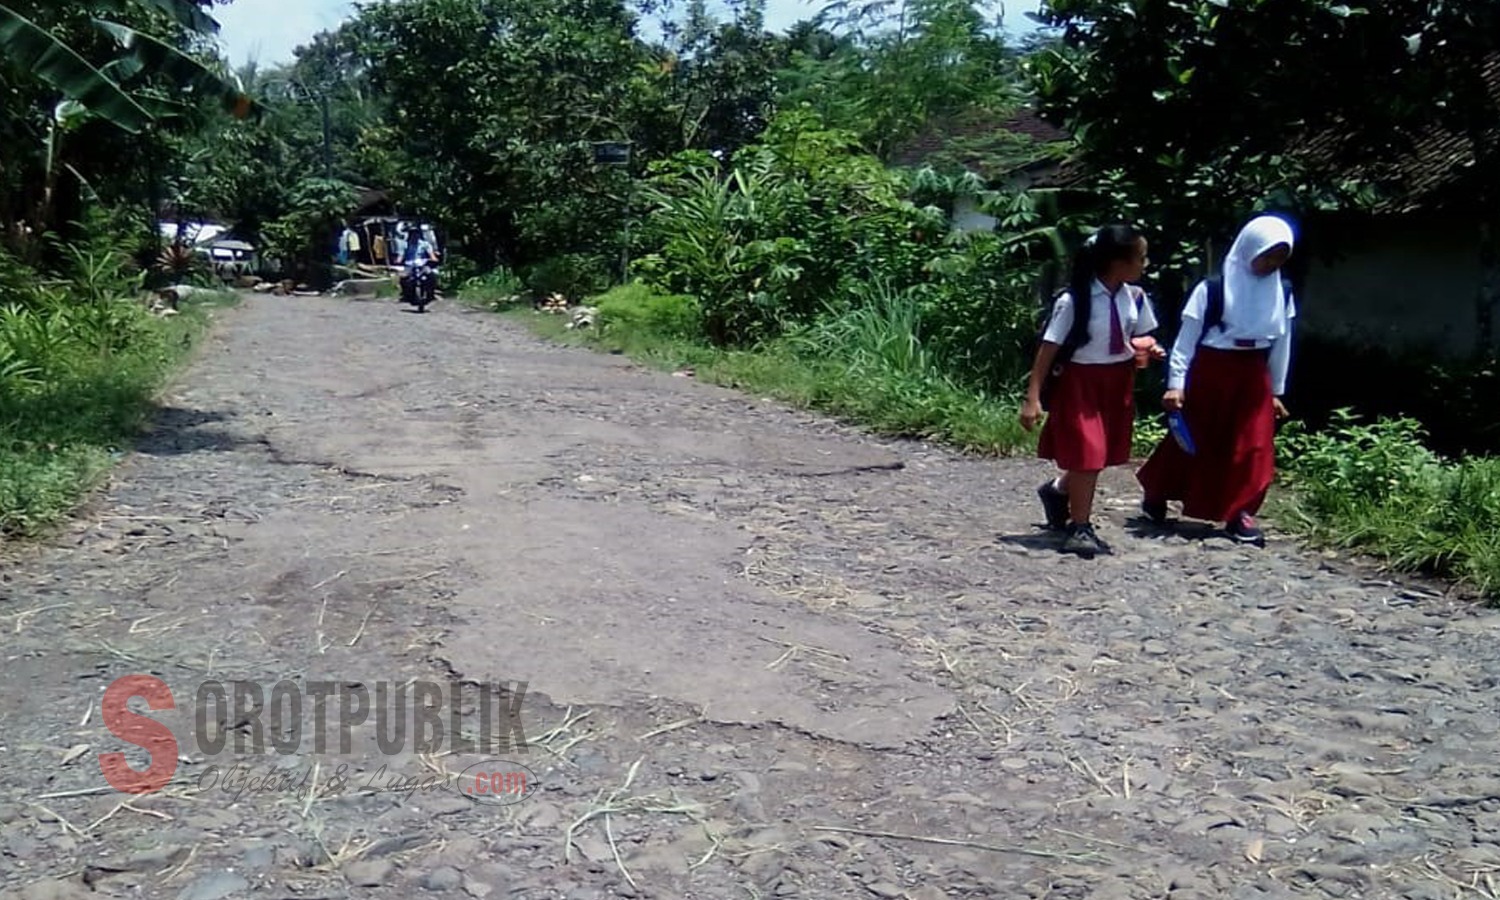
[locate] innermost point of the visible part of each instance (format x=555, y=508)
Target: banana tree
x=124, y=91
x=30, y=47
x=64, y=117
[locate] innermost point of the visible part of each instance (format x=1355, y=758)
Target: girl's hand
x=1280, y=408
x=1172, y=401
x=1031, y=413
x=1146, y=350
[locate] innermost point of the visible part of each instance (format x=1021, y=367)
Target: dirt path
x=763, y=656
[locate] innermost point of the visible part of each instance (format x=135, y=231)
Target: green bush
x=17, y=281
x=636, y=307
x=982, y=312
x=499, y=288
x=457, y=268
x=79, y=362
x=573, y=275
x=1376, y=487
x=803, y=222
x=1376, y=463
x=799, y=221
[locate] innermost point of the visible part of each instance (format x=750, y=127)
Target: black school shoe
x=1054, y=504
x=1243, y=528
x=1083, y=541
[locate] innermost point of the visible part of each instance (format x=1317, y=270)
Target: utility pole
x=625, y=249
x=327, y=136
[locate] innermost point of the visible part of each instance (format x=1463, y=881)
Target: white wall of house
x=1404, y=284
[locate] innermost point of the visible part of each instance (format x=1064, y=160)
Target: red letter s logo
x=148, y=734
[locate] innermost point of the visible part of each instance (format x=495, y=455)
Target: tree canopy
x=1197, y=110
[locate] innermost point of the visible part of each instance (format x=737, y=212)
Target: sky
x=267, y=31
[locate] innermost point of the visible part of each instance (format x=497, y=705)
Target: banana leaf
x=123, y=69
x=27, y=46
x=191, y=75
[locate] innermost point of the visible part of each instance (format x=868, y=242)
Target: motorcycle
x=419, y=284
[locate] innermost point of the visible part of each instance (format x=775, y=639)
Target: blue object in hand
x=1177, y=424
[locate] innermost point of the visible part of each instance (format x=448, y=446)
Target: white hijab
x=1254, y=306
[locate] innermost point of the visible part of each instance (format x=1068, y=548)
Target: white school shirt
x=1186, y=345
x=1096, y=351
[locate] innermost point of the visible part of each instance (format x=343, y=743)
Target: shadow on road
x=1142, y=527
x=1040, y=540
x=176, y=431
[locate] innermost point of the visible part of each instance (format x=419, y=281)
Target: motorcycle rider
x=418, y=252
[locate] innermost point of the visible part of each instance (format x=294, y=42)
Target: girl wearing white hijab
x=1227, y=378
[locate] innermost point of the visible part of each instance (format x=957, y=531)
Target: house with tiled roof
x=1420, y=269
x=1015, y=152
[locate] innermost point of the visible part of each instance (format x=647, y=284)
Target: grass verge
x=863, y=388
x=76, y=384
x=1374, y=487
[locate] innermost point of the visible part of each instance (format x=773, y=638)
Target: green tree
x=713, y=83
x=895, y=67
x=1193, y=110
x=493, y=106
x=86, y=92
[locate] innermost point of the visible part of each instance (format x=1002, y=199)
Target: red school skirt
x=1233, y=424
x=1092, y=417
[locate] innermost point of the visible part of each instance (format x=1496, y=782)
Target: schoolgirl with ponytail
x=1096, y=338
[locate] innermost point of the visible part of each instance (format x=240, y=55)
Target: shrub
x=723, y=241
x=499, y=288
x=1350, y=461
x=17, y=281
x=799, y=220
x=457, y=268
x=573, y=275
x=636, y=307
x=981, y=307
x=78, y=364
x=1376, y=487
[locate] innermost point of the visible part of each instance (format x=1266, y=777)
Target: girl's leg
x=1080, y=487
x=1081, y=538
x=1242, y=525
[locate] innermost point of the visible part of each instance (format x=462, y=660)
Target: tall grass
x=884, y=373
x=870, y=364
x=79, y=364
x=881, y=333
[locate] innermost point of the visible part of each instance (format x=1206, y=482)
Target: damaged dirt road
x=762, y=654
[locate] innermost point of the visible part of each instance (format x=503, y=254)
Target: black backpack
x=1213, y=309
